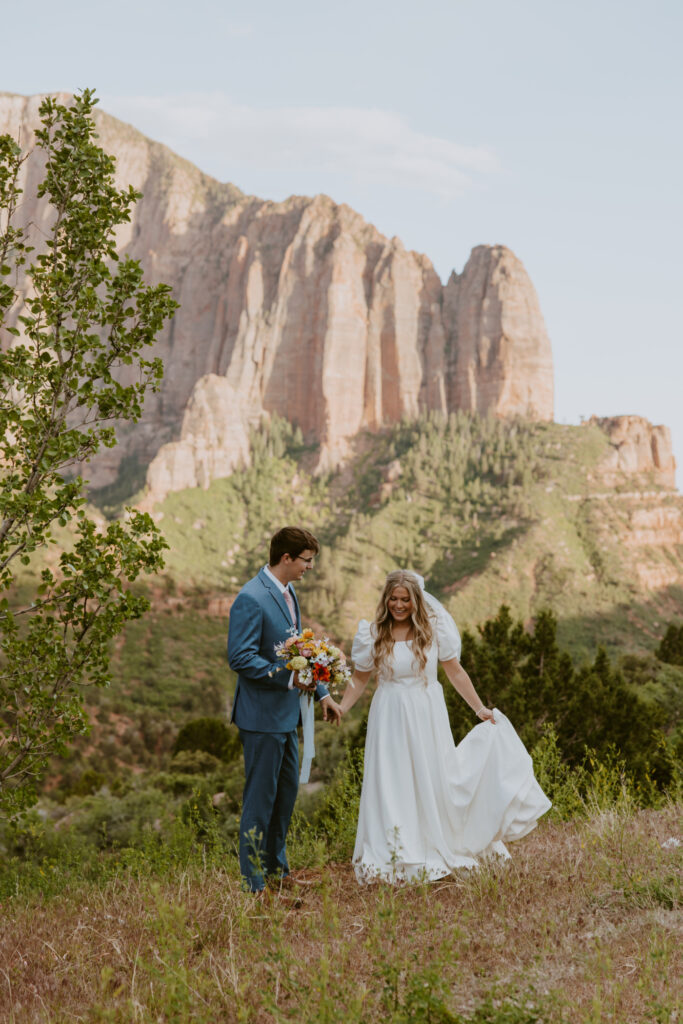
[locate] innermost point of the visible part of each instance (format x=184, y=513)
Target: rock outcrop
x=637, y=448
x=214, y=440
x=303, y=309
x=499, y=357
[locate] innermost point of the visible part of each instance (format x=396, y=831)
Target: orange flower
x=321, y=673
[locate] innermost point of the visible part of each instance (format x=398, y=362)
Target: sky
x=549, y=127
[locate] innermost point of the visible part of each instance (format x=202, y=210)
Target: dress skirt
x=428, y=806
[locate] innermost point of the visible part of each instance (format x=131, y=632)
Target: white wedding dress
x=428, y=806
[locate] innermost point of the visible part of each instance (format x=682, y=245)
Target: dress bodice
x=402, y=668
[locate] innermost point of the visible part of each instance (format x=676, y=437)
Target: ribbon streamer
x=308, y=723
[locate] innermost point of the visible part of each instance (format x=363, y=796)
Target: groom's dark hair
x=291, y=540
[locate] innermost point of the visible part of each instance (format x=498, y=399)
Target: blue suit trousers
x=271, y=769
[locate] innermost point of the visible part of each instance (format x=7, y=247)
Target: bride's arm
x=463, y=684
x=354, y=690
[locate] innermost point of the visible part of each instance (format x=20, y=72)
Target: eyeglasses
x=308, y=561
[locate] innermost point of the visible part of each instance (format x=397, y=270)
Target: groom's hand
x=331, y=711
x=306, y=687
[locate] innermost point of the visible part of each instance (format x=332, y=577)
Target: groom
x=266, y=703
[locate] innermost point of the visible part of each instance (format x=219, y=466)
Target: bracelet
x=479, y=710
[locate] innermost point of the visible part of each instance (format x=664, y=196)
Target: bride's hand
x=332, y=711
x=485, y=714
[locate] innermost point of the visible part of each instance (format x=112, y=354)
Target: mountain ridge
x=306, y=311
x=302, y=312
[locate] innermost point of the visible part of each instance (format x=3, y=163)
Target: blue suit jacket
x=260, y=619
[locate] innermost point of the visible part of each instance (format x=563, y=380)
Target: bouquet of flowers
x=316, y=661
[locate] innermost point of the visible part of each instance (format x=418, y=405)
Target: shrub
x=535, y=683
x=115, y=822
x=671, y=646
x=87, y=783
x=194, y=762
x=210, y=735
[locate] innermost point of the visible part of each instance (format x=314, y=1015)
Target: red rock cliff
x=305, y=310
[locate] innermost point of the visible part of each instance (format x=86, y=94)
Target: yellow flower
x=297, y=664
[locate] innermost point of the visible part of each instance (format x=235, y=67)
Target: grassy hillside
x=580, y=928
x=489, y=512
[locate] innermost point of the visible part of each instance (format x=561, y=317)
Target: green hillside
x=490, y=512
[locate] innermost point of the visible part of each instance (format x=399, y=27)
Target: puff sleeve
x=447, y=635
x=361, y=649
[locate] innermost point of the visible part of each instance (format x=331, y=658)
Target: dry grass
x=581, y=926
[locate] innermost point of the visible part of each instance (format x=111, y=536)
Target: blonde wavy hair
x=421, y=620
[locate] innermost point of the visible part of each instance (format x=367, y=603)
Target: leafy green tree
x=671, y=646
x=536, y=684
x=86, y=314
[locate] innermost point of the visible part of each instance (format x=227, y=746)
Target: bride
x=428, y=806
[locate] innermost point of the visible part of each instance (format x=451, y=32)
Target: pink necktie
x=290, y=604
